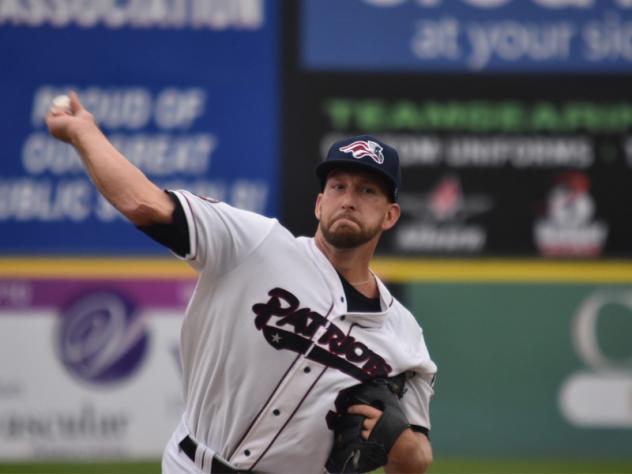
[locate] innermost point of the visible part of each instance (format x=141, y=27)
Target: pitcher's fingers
x=75, y=103
x=56, y=111
x=365, y=410
x=369, y=423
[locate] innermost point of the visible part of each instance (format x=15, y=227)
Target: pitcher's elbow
x=141, y=213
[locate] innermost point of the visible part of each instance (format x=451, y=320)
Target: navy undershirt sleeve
x=175, y=235
x=421, y=429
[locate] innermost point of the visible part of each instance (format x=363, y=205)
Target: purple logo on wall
x=101, y=338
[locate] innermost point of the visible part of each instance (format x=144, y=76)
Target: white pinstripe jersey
x=267, y=343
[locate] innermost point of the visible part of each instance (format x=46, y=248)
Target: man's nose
x=349, y=199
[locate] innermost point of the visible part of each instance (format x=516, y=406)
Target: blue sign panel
x=185, y=89
x=561, y=36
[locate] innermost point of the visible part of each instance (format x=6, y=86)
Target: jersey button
x=307, y=370
x=247, y=452
x=343, y=317
x=276, y=412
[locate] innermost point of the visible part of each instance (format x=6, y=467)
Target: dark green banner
x=529, y=370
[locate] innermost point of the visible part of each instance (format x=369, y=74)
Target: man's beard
x=346, y=237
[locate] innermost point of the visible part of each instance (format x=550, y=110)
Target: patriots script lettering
x=305, y=321
x=334, y=348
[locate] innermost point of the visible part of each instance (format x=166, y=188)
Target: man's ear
x=392, y=216
x=317, y=206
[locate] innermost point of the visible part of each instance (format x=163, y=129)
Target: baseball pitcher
x=296, y=358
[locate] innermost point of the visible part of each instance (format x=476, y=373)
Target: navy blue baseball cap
x=364, y=152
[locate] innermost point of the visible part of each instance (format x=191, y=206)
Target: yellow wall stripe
x=397, y=270
x=489, y=270
x=116, y=267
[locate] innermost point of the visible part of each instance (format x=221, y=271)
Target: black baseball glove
x=352, y=453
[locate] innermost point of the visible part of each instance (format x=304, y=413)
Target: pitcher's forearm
x=412, y=453
x=118, y=180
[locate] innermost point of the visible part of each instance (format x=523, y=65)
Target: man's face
x=354, y=208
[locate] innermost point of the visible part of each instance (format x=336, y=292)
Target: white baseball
x=62, y=102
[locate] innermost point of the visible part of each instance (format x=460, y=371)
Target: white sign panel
x=89, y=369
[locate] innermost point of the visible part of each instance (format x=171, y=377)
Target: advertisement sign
x=170, y=83
x=491, y=166
x=597, y=396
x=542, y=370
x=569, y=227
x=90, y=367
x=567, y=36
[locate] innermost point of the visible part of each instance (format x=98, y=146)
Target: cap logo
x=359, y=149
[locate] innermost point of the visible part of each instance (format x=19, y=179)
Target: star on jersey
x=333, y=348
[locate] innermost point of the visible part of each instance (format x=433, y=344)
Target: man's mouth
x=345, y=220
x=347, y=217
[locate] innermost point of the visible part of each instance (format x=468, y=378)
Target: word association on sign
x=215, y=15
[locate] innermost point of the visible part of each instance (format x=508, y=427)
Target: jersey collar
x=337, y=291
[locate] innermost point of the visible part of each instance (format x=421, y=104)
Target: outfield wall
x=534, y=358
x=530, y=365
x=90, y=363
